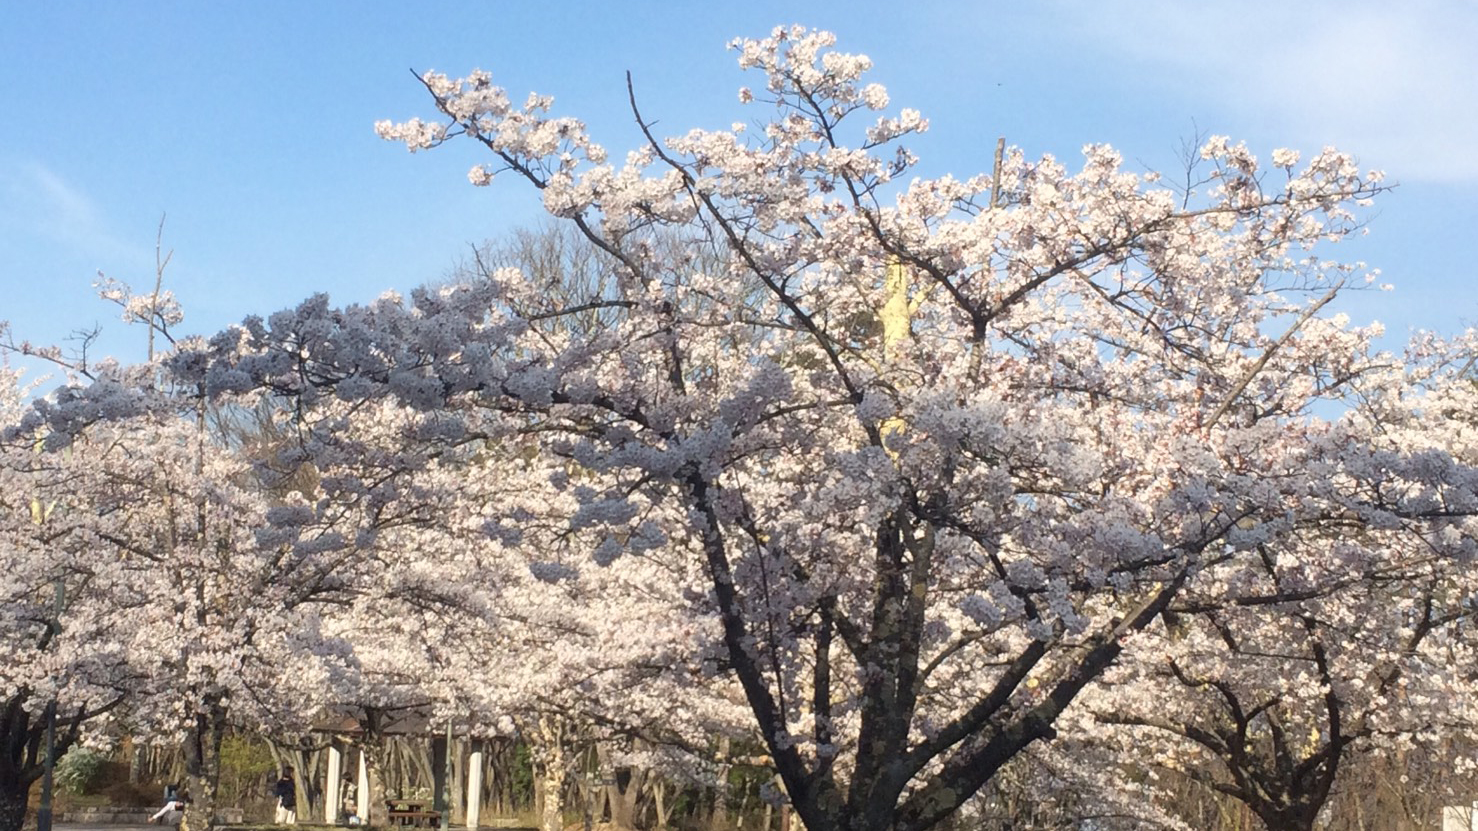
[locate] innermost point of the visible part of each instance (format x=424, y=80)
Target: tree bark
x=202, y=753
x=551, y=771
x=659, y=802
x=13, y=799
x=17, y=754
x=1293, y=816
x=623, y=792
x=307, y=785
x=372, y=745
x=459, y=751
x=22, y=747
x=720, y=814
x=135, y=754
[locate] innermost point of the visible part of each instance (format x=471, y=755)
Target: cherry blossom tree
x=202, y=603
x=492, y=626
x=1284, y=665
x=55, y=666
x=1071, y=783
x=1268, y=707
x=940, y=447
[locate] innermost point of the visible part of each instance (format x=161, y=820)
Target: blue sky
x=250, y=124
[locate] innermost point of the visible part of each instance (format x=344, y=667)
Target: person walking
x=287, y=799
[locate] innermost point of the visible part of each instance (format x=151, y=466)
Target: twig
x=1266, y=356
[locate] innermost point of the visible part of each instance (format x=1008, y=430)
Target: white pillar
x=331, y=795
x=474, y=785
x=362, y=795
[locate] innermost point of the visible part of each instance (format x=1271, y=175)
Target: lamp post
x=43, y=811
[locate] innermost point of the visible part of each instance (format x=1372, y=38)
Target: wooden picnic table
x=413, y=813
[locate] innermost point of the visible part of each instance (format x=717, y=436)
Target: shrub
x=78, y=769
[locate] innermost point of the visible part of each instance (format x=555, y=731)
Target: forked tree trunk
x=1290, y=818
x=623, y=792
x=307, y=790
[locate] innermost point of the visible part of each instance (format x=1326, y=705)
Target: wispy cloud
x=1395, y=83
x=37, y=202
x=70, y=206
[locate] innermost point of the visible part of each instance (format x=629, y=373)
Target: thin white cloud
x=1394, y=82
x=69, y=206
x=37, y=202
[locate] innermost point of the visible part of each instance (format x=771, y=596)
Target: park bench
x=410, y=813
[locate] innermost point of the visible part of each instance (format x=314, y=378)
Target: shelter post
x=474, y=784
x=332, y=798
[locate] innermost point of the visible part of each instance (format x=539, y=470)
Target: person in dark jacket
x=287, y=799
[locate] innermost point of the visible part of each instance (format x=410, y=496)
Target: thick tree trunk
x=13, y=798
x=623, y=791
x=551, y=772
x=1294, y=819
x=512, y=760
x=378, y=793
x=134, y=753
x=373, y=747
x=17, y=753
x=720, y=814
x=308, y=783
x=22, y=755
x=202, y=753
x=459, y=751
